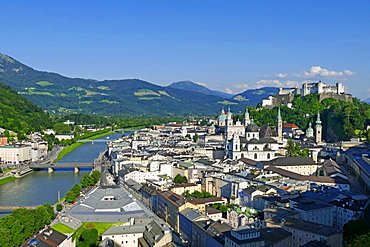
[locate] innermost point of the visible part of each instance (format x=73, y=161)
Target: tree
x=88, y=237
x=61, y=128
x=196, y=137
x=360, y=241
x=293, y=150
x=76, y=189
x=59, y=207
x=180, y=179
x=70, y=197
x=354, y=228
x=87, y=180
x=95, y=175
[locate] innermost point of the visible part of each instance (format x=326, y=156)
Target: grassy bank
x=75, y=145
x=5, y=180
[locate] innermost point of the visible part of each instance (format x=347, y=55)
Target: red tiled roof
x=289, y=125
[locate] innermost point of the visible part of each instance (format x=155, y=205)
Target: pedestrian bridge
x=97, y=140
x=52, y=166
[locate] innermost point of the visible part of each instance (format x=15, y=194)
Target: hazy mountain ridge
x=191, y=86
x=255, y=96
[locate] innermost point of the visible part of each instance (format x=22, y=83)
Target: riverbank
x=7, y=179
x=75, y=145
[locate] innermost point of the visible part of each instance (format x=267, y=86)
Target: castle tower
x=246, y=117
x=279, y=128
x=318, y=129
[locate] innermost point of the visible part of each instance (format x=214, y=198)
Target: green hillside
x=56, y=93
x=20, y=115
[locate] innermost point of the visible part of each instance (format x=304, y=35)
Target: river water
x=41, y=187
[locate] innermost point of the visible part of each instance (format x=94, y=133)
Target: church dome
x=251, y=128
x=221, y=117
x=310, y=129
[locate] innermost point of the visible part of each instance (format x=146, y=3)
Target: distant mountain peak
x=195, y=87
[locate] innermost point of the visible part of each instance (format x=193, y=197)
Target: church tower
x=229, y=124
x=229, y=119
x=279, y=128
x=318, y=129
x=246, y=117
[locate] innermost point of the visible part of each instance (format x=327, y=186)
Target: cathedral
x=244, y=140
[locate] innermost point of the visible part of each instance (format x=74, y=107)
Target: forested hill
x=20, y=115
x=55, y=93
x=341, y=120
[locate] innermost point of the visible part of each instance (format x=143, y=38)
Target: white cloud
x=292, y=84
x=348, y=72
x=241, y=86
x=318, y=71
x=274, y=83
x=202, y=84
x=228, y=90
x=280, y=75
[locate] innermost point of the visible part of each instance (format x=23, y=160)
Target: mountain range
x=56, y=93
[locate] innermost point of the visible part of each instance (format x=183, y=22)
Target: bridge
x=16, y=207
x=51, y=166
x=96, y=140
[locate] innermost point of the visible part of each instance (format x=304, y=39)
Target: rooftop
x=318, y=229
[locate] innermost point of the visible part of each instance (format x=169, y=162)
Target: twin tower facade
x=247, y=140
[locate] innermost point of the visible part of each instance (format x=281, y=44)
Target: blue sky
x=229, y=46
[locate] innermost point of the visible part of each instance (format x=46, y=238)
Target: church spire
x=318, y=120
x=246, y=117
x=279, y=127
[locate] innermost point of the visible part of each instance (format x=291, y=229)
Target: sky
x=229, y=46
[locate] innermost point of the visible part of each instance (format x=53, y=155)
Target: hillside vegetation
x=20, y=115
x=341, y=120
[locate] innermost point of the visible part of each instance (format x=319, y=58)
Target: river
x=41, y=187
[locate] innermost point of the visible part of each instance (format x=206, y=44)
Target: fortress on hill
x=324, y=91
